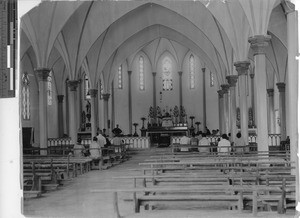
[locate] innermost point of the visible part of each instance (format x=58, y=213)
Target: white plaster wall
x=141, y=100
x=34, y=102
x=193, y=98
x=121, y=101
x=168, y=98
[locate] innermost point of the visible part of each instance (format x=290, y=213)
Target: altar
x=161, y=136
x=163, y=124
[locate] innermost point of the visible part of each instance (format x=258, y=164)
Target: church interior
x=152, y=72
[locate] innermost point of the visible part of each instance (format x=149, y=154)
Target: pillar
x=242, y=69
x=259, y=43
x=42, y=75
x=232, y=79
x=282, y=111
x=154, y=90
x=292, y=86
x=60, y=121
x=225, y=88
x=221, y=111
x=252, y=99
x=112, y=106
x=73, y=84
x=105, y=109
x=180, y=88
x=129, y=102
x=204, y=101
x=79, y=102
x=93, y=94
x=271, y=112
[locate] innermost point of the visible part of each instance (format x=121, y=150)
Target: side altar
x=166, y=123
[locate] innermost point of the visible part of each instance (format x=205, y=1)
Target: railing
x=137, y=142
x=273, y=139
x=59, y=141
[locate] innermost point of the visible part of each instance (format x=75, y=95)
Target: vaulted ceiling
x=98, y=36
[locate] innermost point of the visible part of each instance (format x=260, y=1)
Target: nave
x=76, y=199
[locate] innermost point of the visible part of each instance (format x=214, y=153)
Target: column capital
x=73, y=84
x=225, y=88
x=154, y=74
x=232, y=79
x=60, y=98
x=270, y=92
x=288, y=7
x=252, y=75
x=203, y=69
x=129, y=72
x=242, y=67
x=259, y=43
x=93, y=93
x=220, y=93
x=105, y=96
x=42, y=73
x=281, y=87
x=180, y=73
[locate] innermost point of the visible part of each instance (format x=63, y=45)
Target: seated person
x=203, y=145
x=95, y=150
x=194, y=142
x=78, y=149
x=240, y=143
x=224, y=145
x=184, y=141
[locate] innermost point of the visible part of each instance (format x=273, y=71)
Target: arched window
x=49, y=88
x=192, y=72
x=141, y=73
x=167, y=74
x=211, y=79
x=86, y=87
x=101, y=89
x=25, y=96
x=120, y=78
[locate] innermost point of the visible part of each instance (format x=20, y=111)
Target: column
x=271, y=112
x=105, y=99
x=281, y=89
x=129, y=102
x=221, y=111
x=225, y=88
x=73, y=84
x=79, y=102
x=252, y=99
x=180, y=88
x=204, y=100
x=112, y=106
x=242, y=69
x=259, y=44
x=232, y=79
x=292, y=81
x=60, y=99
x=154, y=89
x=93, y=93
x=42, y=75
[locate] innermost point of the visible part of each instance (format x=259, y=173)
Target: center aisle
x=74, y=199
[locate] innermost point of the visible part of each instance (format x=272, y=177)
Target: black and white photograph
x=155, y=109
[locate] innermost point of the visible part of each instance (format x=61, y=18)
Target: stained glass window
x=101, y=89
x=87, y=87
x=141, y=73
x=25, y=96
x=211, y=79
x=167, y=75
x=120, y=78
x=192, y=72
x=49, y=88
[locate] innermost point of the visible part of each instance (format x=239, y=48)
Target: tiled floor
x=75, y=199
